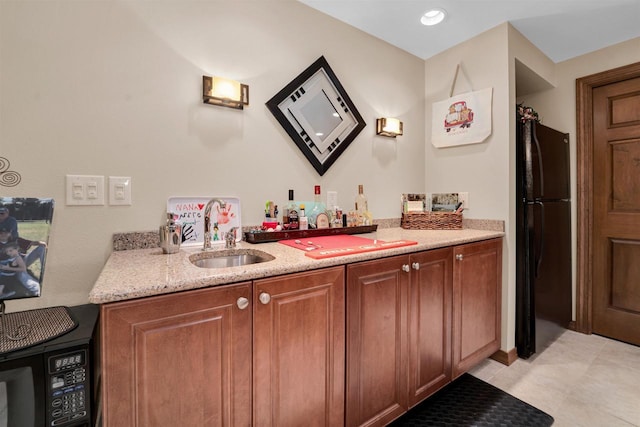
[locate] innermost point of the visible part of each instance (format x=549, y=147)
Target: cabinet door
x=298, y=338
x=430, y=323
x=477, y=296
x=377, y=335
x=182, y=359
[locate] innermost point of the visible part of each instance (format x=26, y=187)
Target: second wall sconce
x=224, y=92
x=388, y=126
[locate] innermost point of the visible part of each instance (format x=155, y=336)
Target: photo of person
x=6, y=220
x=24, y=233
x=14, y=279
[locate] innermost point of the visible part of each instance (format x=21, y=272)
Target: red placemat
x=328, y=242
x=333, y=246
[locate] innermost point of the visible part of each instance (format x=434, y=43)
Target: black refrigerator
x=543, y=237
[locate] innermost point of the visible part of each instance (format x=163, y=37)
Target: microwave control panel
x=68, y=388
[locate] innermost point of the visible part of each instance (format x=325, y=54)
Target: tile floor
x=580, y=380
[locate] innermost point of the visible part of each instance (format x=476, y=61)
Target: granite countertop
x=140, y=273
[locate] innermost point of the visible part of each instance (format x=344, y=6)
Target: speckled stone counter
x=140, y=273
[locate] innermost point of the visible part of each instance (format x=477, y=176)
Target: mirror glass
x=321, y=115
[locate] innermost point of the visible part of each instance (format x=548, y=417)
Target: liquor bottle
x=292, y=213
x=302, y=218
x=318, y=207
x=285, y=211
x=362, y=208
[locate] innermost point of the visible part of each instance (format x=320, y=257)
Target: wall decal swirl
x=8, y=178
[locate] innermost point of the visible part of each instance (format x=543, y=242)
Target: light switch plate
x=120, y=190
x=85, y=190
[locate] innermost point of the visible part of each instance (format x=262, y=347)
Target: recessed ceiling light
x=433, y=17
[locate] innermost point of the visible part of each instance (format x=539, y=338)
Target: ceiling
x=561, y=29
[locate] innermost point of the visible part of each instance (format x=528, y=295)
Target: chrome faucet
x=230, y=238
x=207, y=221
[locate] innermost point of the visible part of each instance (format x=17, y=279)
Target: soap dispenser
x=170, y=235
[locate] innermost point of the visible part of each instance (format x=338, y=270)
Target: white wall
x=114, y=88
x=480, y=169
x=482, y=62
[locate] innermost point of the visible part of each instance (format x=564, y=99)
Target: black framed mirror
x=316, y=112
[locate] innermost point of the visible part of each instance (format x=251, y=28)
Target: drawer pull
x=406, y=268
x=416, y=266
x=264, y=298
x=242, y=303
x=459, y=257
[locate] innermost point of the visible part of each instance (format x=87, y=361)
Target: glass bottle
x=285, y=211
x=318, y=207
x=292, y=213
x=302, y=218
x=362, y=208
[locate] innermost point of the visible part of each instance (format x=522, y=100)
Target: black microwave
x=56, y=382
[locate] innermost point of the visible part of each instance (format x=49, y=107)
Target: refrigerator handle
x=541, y=239
x=541, y=169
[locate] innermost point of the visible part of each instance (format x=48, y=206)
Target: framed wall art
x=318, y=115
x=462, y=119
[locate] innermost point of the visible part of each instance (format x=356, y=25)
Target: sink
x=229, y=258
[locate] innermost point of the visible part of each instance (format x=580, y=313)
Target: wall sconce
x=387, y=126
x=224, y=92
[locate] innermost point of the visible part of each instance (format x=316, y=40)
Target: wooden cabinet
x=178, y=359
x=416, y=321
x=299, y=349
x=477, y=296
x=399, y=339
x=267, y=353
x=377, y=316
x=429, y=323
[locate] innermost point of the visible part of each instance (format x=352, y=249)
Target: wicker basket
x=431, y=221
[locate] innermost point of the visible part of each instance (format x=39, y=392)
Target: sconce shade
x=387, y=126
x=224, y=92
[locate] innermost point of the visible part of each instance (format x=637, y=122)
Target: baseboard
x=572, y=325
x=504, y=357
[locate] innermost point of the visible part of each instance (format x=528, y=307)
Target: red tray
x=334, y=246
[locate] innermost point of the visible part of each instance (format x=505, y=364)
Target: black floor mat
x=469, y=401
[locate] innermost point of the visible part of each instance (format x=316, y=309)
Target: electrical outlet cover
x=464, y=198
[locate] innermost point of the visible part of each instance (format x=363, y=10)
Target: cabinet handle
x=416, y=266
x=459, y=257
x=405, y=268
x=264, y=298
x=242, y=303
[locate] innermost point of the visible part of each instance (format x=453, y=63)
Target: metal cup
x=170, y=238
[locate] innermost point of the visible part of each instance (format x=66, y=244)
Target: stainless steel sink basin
x=229, y=258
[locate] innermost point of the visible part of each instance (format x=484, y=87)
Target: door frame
x=584, y=183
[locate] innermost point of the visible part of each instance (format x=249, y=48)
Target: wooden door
x=616, y=218
x=377, y=312
x=477, y=297
x=299, y=349
x=182, y=359
x=429, y=323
